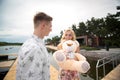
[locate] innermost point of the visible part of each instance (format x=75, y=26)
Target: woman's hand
x=59, y=47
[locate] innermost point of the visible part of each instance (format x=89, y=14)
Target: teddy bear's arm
x=80, y=66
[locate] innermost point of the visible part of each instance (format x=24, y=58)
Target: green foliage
x=89, y=48
x=61, y=33
x=54, y=41
x=107, y=28
x=6, y=43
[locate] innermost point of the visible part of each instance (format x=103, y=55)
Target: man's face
x=47, y=28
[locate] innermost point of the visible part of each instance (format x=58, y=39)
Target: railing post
x=112, y=58
x=116, y=61
x=103, y=68
x=96, y=72
x=113, y=61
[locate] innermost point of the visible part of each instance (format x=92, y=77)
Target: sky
x=16, y=16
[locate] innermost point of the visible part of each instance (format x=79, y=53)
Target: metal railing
x=102, y=62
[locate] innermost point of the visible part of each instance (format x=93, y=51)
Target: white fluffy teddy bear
x=69, y=60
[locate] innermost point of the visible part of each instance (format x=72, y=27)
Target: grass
x=89, y=48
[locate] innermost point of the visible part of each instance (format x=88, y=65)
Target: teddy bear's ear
x=59, y=56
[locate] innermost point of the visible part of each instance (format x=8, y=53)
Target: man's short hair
x=41, y=16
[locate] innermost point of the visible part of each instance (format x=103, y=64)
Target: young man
x=33, y=59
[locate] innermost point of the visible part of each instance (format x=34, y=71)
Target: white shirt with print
x=33, y=61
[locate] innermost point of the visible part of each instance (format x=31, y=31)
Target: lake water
x=90, y=75
x=9, y=49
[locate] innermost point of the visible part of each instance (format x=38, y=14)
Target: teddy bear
x=67, y=59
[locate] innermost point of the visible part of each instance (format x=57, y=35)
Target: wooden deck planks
x=6, y=64
x=114, y=74
x=53, y=73
x=12, y=73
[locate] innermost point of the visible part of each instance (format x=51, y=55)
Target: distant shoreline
x=8, y=43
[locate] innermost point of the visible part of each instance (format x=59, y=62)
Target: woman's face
x=68, y=35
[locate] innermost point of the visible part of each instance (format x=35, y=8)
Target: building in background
x=92, y=41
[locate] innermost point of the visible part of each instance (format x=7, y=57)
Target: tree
x=82, y=29
x=55, y=40
x=48, y=41
x=97, y=27
x=61, y=33
x=113, y=26
x=107, y=28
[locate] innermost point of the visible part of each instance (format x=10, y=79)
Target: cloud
x=16, y=15
x=12, y=38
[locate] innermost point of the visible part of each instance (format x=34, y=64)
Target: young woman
x=67, y=74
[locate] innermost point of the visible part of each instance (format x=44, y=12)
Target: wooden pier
x=6, y=64
x=114, y=74
x=11, y=75
x=6, y=56
x=12, y=72
x=14, y=54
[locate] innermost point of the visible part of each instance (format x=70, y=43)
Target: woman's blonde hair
x=73, y=34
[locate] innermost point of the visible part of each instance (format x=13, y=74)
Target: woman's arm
x=78, y=50
x=59, y=47
x=78, y=47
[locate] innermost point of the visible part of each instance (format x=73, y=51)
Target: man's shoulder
x=28, y=46
x=30, y=43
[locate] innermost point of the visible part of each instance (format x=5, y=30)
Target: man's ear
x=42, y=25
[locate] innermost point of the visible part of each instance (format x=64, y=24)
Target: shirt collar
x=38, y=39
